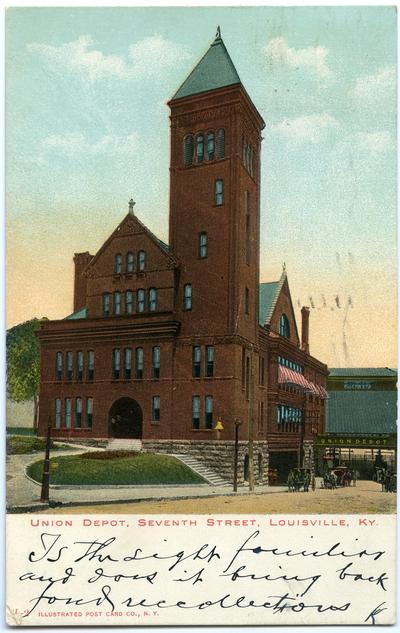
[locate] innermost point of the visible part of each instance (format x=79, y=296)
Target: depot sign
x=357, y=441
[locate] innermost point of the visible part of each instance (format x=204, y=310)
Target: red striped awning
x=291, y=377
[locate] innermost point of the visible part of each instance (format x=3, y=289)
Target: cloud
x=312, y=127
x=76, y=144
x=372, y=86
x=312, y=58
x=149, y=56
x=374, y=142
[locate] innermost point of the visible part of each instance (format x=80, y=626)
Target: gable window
x=196, y=361
x=69, y=365
x=106, y=303
x=116, y=363
x=188, y=147
x=284, y=329
x=219, y=192
x=129, y=301
x=187, y=297
x=155, y=362
x=208, y=418
x=130, y=262
x=89, y=412
x=196, y=412
x=79, y=366
x=78, y=413
x=141, y=260
x=155, y=409
x=127, y=362
x=199, y=148
x=210, y=146
x=59, y=365
x=67, y=416
x=140, y=300
x=57, y=411
x=117, y=302
x=90, y=365
x=118, y=263
x=139, y=362
x=152, y=299
x=203, y=245
x=221, y=143
x=246, y=301
x=209, y=361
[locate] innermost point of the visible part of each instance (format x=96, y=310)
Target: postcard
x=201, y=334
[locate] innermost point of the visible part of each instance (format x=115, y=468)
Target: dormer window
x=130, y=262
x=199, y=148
x=284, y=329
x=210, y=145
x=118, y=263
x=141, y=260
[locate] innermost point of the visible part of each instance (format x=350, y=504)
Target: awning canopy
x=291, y=377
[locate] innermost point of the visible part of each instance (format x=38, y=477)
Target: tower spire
x=131, y=205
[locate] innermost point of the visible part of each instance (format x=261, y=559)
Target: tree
x=23, y=364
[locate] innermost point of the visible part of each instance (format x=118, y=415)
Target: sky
x=87, y=128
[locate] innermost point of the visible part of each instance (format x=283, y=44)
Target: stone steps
x=198, y=467
x=120, y=444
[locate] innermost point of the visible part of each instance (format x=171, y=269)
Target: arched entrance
x=125, y=419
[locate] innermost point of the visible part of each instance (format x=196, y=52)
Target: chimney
x=81, y=260
x=305, y=316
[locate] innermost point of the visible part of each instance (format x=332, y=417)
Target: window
x=127, y=363
x=246, y=301
x=89, y=412
x=90, y=365
x=219, y=192
x=196, y=412
x=59, y=365
x=288, y=414
x=152, y=299
x=129, y=302
x=116, y=363
x=79, y=366
x=291, y=364
x=284, y=329
x=78, y=413
x=199, y=148
x=141, y=260
x=209, y=361
x=210, y=146
x=67, y=416
x=117, y=302
x=203, y=245
x=188, y=150
x=221, y=143
x=57, y=411
x=106, y=304
x=139, y=362
x=155, y=409
x=118, y=263
x=140, y=300
x=130, y=262
x=208, y=419
x=155, y=362
x=196, y=369
x=187, y=297
x=69, y=365
x=261, y=367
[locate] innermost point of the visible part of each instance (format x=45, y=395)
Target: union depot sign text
x=362, y=441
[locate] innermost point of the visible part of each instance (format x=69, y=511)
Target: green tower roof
x=214, y=70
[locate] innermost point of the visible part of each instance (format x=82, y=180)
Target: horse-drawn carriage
x=387, y=479
x=299, y=479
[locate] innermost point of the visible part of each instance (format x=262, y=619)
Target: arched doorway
x=125, y=419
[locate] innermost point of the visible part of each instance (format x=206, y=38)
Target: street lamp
x=236, y=455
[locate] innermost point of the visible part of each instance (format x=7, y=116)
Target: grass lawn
x=22, y=444
x=114, y=468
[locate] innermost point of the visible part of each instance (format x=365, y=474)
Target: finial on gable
x=218, y=33
x=131, y=205
x=284, y=267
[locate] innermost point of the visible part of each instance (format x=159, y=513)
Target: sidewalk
x=23, y=495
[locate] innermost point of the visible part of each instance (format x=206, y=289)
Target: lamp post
x=44, y=495
x=236, y=455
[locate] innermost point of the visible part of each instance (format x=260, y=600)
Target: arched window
x=284, y=329
x=139, y=362
x=129, y=301
x=188, y=147
x=140, y=300
x=118, y=263
x=117, y=302
x=199, y=148
x=130, y=262
x=106, y=303
x=152, y=299
x=187, y=297
x=221, y=143
x=219, y=192
x=141, y=260
x=210, y=145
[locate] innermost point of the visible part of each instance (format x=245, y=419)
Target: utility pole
x=251, y=420
x=44, y=496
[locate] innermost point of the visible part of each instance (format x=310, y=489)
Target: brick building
x=167, y=340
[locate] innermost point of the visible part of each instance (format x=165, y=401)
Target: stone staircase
x=119, y=444
x=198, y=467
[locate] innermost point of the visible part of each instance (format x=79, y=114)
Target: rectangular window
x=203, y=245
x=246, y=301
x=139, y=362
x=155, y=409
x=106, y=304
x=155, y=362
x=140, y=300
x=90, y=365
x=59, y=365
x=78, y=413
x=117, y=302
x=67, y=416
x=89, y=412
x=69, y=365
x=219, y=192
x=196, y=358
x=57, y=411
x=116, y=363
x=208, y=418
x=79, y=366
x=187, y=297
x=127, y=363
x=196, y=412
x=209, y=361
x=152, y=299
x=129, y=302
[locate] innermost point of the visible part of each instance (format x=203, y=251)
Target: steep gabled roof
x=214, y=70
x=268, y=297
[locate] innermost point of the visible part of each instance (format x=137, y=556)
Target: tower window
x=141, y=260
x=152, y=299
x=130, y=262
x=208, y=418
x=78, y=413
x=210, y=146
x=155, y=362
x=284, y=328
x=188, y=150
x=196, y=412
x=79, y=366
x=116, y=363
x=57, y=411
x=118, y=263
x=203, y=245
x=127, y=363
x=199, y=148
x=246, y=301
x=59, y=365
x=89, y=412
x=221, y=143
x=90, y=365
x=129, y=301
x=106, y=304
x=117, y=302
x=209, y=361
x=219, y=192
x=187, y=297
x=67, y=416
x=140, y=300
x=155, y=409
x=139, y=362
x=196, y=360
x=69, y=365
